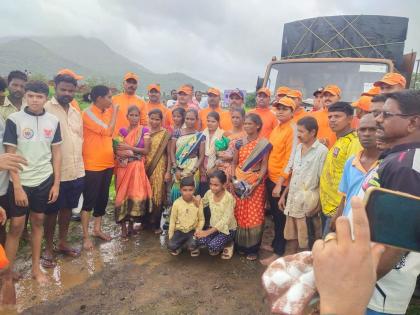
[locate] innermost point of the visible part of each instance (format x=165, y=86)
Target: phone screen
x=394, y=219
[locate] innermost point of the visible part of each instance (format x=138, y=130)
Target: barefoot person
x=72, y=169
x=186, y=218
x=133, y=191
x=98, y=126
x=34, y=134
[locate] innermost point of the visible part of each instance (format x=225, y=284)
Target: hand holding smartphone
x=394, y=218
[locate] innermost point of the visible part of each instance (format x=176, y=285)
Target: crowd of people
x=207, y=175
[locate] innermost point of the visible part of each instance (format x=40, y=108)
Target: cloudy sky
x=225, y=43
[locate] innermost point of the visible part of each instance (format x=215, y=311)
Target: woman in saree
x=133, y=190
x=224, y=158
x=212, y=133
x=250, y=165
x=187, y=153
x=157, y=168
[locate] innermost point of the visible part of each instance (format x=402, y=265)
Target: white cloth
x=304, y=185
x=4, y=175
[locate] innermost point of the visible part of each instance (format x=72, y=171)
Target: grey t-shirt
x=4, y=175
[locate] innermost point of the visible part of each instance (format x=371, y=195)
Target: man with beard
x=127, y=98
x=72, y=170
x=331, y=94
x=236, y=99
x=16, y=81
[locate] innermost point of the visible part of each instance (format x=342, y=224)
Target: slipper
x=227, y=252
x=47, y=262
x=70, y=252
x=176, y=252
x=251, y=257
x=195, y=252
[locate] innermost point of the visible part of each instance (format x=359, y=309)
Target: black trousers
x=179, y=239
x=278, y=243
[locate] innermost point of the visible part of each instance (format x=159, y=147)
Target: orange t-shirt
x=167, y=114
x=269, y=120
x=300, y=113
x=125, y=101
x=98, y=154
x=324, y=130
x=225, y=120
x=284, y=141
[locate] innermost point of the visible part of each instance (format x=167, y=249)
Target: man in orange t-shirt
x=263, y=110
x=153, y=91
x=126, y=99
x=331, y=94
x=299, y=112
x=284, y=141
x=214, y=106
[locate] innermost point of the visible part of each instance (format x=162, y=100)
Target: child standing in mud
x=186, y=217
x=222, y=220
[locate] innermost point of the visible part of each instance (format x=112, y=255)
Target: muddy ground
x=140, y=277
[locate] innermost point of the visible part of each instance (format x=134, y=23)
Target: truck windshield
x=352, y=77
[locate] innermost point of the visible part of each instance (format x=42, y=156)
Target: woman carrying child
x=133, y=191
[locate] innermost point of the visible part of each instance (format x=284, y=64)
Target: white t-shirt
x=4, y=175
x=170, y=103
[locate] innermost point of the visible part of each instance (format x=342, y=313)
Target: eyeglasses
x=386, y=114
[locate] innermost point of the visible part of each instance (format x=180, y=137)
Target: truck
x=351, y=51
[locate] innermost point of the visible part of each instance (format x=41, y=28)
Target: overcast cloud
x=225, y=43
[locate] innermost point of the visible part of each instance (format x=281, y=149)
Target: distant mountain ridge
x=89, y=57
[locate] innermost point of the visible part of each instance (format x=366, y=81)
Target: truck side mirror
x=260, y=82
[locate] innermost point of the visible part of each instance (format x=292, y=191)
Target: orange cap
x=285, y=101
x=372, y=92
x=282, y=90
x=153, y=86
x=264, y=90
x=185, y=89
x=131, y=75
x=363, y=103
x=333, y=89
x=70, y=73
x=295, y=93
x=213, y=91
x=392, y=78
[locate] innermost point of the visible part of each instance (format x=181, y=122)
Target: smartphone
x=394, y=218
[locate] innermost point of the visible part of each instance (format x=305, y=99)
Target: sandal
x=176, y=252
x=251, y=257
x=227, y=252
x=48, y=262
x=195, y=252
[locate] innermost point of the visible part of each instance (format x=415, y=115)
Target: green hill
x=89, y=57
